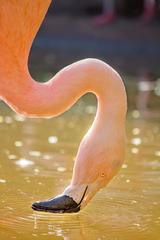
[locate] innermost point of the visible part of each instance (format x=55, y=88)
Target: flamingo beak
x=59, y=204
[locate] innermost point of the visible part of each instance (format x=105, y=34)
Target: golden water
x=36, y=160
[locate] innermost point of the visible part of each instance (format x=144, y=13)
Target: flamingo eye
x=102, y=174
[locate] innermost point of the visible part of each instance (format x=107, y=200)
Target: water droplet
x=8, y=120
x=59, y=232
x=34, y=234
x=1, y=119
x=28, y=181
x=3, y=181
x=52, y=139
x=157, y=153
x=135, y=131
x=136, y=141
x=12, y=156
x=18, y=144
x=36, y=170
x=124, y=166
x=61, y=169
x=51, y=233
x=19, y=118
x=24, y=163
x=35, y=153
x=135, y=150
x=10, y=208
x=136, y=224
x=46, y=157
x=128, y=181
x=135, y=114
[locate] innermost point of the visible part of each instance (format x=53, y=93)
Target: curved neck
x=52, y=98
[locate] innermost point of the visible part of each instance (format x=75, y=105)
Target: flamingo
x=101, y=151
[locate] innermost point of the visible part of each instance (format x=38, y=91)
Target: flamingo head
x=74, y=198
x=90, y=175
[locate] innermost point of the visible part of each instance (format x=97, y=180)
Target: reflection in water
x=24, y=163
x=36, y=161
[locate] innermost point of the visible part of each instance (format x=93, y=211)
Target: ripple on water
x=17, y=215
x=110, y=211
x=120, y=211
x=42, y=221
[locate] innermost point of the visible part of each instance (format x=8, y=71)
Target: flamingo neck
x=52, y=98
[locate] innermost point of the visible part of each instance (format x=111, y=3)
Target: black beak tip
x=60, y=204
x=36, y=205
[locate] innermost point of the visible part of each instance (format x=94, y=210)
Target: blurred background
x=37, y=155
x=125, y=34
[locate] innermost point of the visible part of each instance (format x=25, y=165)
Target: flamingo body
x=101, y=151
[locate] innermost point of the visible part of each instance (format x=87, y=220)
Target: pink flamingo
x=101, y=151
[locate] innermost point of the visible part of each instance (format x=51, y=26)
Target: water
x=36, y=160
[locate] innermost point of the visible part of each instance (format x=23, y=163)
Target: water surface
x=36, y=160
